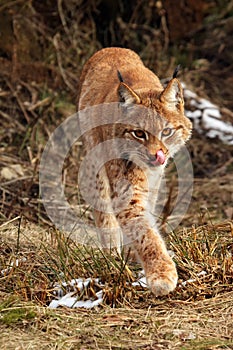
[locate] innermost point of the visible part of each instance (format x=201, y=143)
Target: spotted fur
x=150, y=120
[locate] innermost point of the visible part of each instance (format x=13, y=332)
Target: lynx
x=148, y=125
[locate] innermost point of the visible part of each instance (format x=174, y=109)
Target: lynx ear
x=172, y=95
x=127, y=95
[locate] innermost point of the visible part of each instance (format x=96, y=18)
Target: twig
x=15, y=94
x=40, y=103
x=18, y=236
x=10, y=221
x=16, y=180
x=63, y=20
x=59, y=60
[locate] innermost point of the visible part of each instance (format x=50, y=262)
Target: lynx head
x=158, y=121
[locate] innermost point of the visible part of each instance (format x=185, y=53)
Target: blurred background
x=43, y=46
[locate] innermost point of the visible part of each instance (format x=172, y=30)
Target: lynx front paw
x=163, y=283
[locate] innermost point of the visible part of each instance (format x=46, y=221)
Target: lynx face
x=150, y=125
x=157, y=128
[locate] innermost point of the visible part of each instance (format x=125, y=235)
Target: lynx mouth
x=158, y=159
x=150, y=160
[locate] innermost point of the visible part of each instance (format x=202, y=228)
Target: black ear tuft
x=127, y=96
x=172, y=95
x=120, y=76
x=176, y=71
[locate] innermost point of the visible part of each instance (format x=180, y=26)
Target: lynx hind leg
x=108, y=231
x=160, y=269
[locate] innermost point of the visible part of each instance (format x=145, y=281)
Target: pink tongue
x=160, y=157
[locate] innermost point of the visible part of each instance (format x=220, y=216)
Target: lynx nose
x=160, y=156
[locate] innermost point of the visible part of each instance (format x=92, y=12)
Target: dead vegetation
x=200, y=325
x=34, y=258
x=43, y=47
x=197, y=315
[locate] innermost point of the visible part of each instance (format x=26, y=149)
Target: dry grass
x=168, y=325
x=33, y=258
x=197, y=315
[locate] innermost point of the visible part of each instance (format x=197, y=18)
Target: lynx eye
x=167, y=132
x=140, y=134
